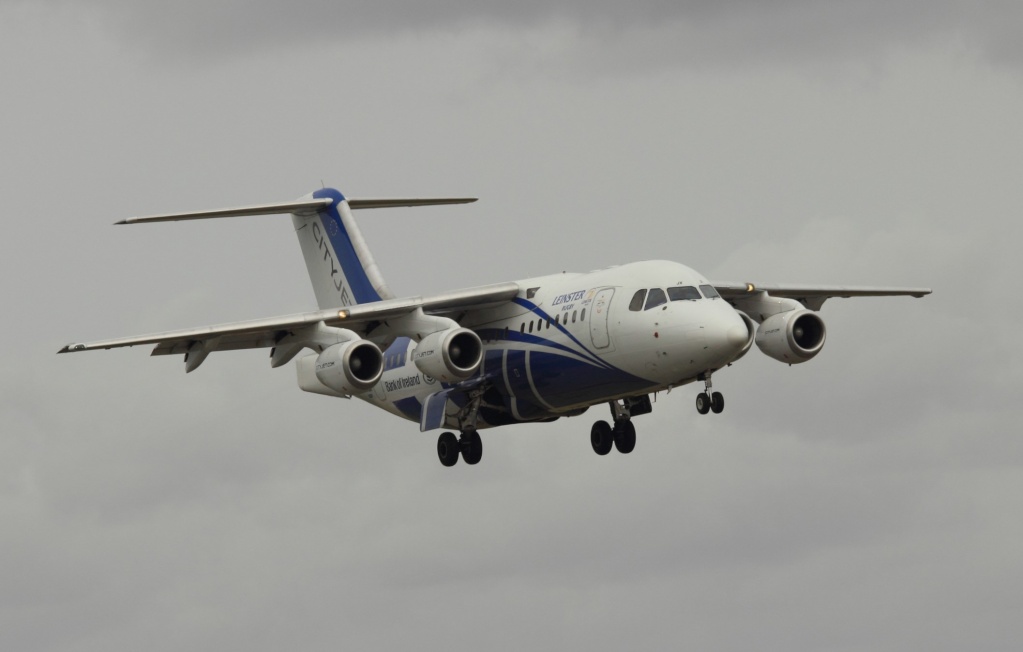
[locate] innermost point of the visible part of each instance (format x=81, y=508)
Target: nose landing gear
x=707, y=401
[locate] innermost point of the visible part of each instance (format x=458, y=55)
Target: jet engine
x=751, y=332
x=450, y=355
x=793, y=337
x=350, y=367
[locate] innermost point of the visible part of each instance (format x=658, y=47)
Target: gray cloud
x=865, y=500
x=655, y=31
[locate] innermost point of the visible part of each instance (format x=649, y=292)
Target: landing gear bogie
x=468, y=445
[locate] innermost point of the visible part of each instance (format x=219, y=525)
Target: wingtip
x=120, y=222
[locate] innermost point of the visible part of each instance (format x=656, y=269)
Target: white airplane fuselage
x=575, y=342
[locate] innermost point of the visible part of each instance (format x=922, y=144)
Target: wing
x=264, y=333
x=813, y=296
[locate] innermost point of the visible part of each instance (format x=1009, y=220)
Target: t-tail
x=341, y=267
x=340, y=264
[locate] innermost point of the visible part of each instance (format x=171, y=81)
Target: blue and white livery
x=525, y=351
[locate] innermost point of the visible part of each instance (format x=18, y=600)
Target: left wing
x=263, y=333
x=812, y=296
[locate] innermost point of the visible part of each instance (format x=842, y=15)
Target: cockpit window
x=686, y=293
x=655, y=298
x=710, y=292
x=637, y=301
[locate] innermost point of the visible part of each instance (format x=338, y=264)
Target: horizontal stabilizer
x=395, y=203
x=300, y=207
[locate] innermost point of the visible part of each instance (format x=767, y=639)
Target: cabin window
x=710, y=292
x=573, y=316
x=522, y=327
x=582, y=315
x=655, y=298
x=685, y=293
x=637, y=301
x=530, y=327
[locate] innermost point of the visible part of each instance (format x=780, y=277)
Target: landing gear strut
x=707, y=401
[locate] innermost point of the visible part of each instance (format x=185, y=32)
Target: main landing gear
x=707, y=401
x=623, y=434
x=468, y=445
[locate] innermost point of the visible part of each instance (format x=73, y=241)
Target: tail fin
x=340, y=264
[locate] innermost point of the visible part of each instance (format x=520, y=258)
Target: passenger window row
x=647, y=299
x=542, y=323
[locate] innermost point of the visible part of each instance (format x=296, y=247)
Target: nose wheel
x=708, y=401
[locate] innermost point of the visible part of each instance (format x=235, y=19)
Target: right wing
x=812, y=296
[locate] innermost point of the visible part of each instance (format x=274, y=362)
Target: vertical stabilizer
x=340, y=264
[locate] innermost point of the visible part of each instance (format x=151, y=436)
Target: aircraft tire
x=472, y=447
x=447, y=448
x=717, y=402
x=601, y=437
x=625, y=436
x=703, y=403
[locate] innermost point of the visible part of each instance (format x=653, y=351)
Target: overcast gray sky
x=867, y=500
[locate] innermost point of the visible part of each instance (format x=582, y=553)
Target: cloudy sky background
x=870, y=499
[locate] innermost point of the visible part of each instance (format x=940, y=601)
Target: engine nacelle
x=449, y=356
x=350, y=367
x=751, y=334
x=793, y=337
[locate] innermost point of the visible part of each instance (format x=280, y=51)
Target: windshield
x=685, y=293
x=710, y=292
x=655, y=298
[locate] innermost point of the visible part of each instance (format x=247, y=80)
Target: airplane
x=527, y=351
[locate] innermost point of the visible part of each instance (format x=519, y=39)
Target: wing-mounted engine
x=347, y=368
x=793, y=337
x=449, y=355
x=751, y=334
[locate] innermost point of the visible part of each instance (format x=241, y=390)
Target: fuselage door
x=598, y=318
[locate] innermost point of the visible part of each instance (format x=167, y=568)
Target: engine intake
x=450, y=355
x=350, y=367
x=793, y=337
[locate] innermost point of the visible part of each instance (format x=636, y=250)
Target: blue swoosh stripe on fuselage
x=349, y=261
x=561, y=380
x=532, y=307
x=528, y=338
